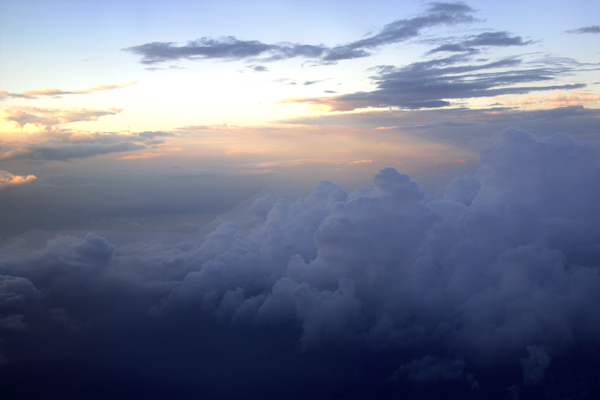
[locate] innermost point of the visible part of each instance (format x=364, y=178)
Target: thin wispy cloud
x=486, y=39
x=586, y=29
x=32, y=94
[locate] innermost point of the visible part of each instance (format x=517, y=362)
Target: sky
x=299, y=199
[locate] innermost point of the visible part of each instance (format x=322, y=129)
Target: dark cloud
x=153, y=134
x=402, y=30
x=258, y=68
x=228, y=48
x=501, y=39
x=66, y=145
x=67, y=152
x=586, y=29
x=231, y=48
x=370, y=294
x=431, y=84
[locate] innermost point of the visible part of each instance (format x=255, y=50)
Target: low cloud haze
x=491, y=289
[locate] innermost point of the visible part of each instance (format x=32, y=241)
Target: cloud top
x=7, y=179
x=496, y=277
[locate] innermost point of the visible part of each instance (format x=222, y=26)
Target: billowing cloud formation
x=7, y=179
x=231, y=48
x=494, y=286
x=30, y=94
x=430, y=84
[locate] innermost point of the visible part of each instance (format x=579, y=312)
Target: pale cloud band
x=48, y=116
x=51, y=92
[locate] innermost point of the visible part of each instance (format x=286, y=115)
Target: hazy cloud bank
x=492, y=288
x=34, y=133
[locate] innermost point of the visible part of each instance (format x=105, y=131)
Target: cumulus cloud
x=50, y=92
x=7, y=179
x=493, y=284
x=232, y=48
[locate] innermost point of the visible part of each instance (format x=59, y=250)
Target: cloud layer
x=231, y=48
x=431, y=84
x=34, y=134
x=491, y=288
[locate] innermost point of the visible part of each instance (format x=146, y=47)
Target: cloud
x=226, y=48
x=230, y=48
x=535, y=365
x=258, y=68
x=56, y=144
x=486, y=39
x=67, y=152
x=153, y=134
x=586, y=29
x=46, y=116
x=461, y=126
x=165, y=151
x=431, y=369
x=32, y=94
x=430, y=84
x=557, y=99
x=32, y=134
x=401, y=30
x=492, y=284
x=7, y=179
